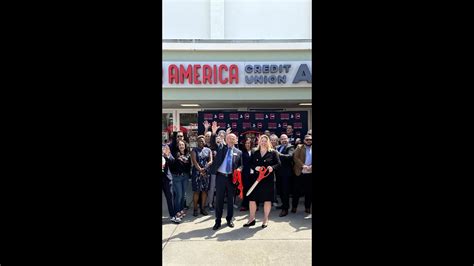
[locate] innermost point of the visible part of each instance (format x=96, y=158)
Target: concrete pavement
x=286, y=240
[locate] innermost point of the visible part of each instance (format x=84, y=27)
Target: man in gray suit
x=228, y=158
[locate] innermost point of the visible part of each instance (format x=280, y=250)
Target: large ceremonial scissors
x=263, y=172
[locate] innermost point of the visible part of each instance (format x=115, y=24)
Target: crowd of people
x=281, y=165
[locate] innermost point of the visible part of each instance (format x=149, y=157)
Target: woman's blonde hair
x=269, y=144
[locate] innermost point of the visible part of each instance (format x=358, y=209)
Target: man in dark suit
x=228, y=158
x=285, y=173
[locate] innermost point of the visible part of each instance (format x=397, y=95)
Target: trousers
x=224, y=183
x=303, y=187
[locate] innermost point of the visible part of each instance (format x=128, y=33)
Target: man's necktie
x=228, y=168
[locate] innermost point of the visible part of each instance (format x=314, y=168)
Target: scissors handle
x=265, y=171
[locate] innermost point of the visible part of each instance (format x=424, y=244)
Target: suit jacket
x=270, y=158
x=286, y=158
x=299, y=157
x=166, y=172
x=221, y=151
x=246, y=160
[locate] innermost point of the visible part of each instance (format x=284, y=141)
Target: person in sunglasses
x=177, y=136
x=303, y=168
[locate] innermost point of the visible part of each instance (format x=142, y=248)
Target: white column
x=310, y=20
x=217, y=19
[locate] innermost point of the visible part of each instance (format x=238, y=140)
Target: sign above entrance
x=237, y=74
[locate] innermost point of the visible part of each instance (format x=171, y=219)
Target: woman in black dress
x=265, y=156
x=246, y=182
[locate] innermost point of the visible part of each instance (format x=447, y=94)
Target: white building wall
x=237, y=19
x=186, y=19
x=267, y=19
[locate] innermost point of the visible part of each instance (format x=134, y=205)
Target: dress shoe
x=216, y=226
x=250, y=224
x=264, y=225
x=204, y=212
x=230, y=224
x=293, y=210
x=307, y=211
x=283, y=213
x=195, y=213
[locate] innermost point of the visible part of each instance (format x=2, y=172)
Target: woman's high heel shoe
x=264, y=225
x=250, y=224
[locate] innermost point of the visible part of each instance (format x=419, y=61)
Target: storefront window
x=189, y=122
x=166, y=126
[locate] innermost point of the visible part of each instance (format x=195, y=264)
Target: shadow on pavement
x=205, y=220
x=295, y=220
x=207, y=233
x=300, y=221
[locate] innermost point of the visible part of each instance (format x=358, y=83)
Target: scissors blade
x=252, y=188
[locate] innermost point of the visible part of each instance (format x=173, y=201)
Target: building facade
x=236, y=57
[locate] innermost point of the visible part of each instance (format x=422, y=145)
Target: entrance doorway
x=185, y=120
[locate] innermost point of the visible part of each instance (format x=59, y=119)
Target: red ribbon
x=238, y=178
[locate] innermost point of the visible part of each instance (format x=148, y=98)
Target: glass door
x=167, y=125
x=188, y=123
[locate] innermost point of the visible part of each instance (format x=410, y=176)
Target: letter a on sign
x=303, y=74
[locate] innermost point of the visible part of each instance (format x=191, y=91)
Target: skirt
x=200, y=183
x=264, y=191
